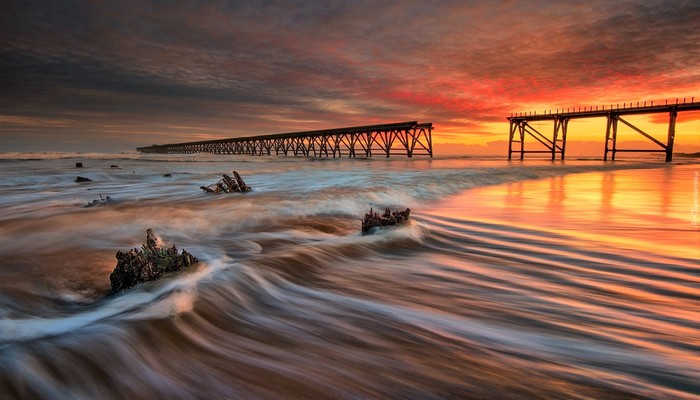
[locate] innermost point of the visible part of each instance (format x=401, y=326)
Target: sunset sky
x=113, y=75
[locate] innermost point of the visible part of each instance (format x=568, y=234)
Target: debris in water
x=78, y=165
x=168, y=175
x=114, y=166
x=103, y=201
x=228, y=185
x=372, y=219
x=82, y=179
x=148, y=264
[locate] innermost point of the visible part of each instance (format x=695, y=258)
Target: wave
x=488, y=291
x=169, y=297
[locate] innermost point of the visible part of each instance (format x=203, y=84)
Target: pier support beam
x=519, y=128
x=560, y=126
x=673, y=114
x=611, y=137
x=516, y=126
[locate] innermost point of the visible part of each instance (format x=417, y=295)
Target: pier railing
x=520, y=126
x=403, y=138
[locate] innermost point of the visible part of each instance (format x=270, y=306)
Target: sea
x=533, y=279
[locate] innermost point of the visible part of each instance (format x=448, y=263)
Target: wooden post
x=521, y=128
x=554, y=138
x=430, y=140
x=614, y=136
x=564, y=125
x=510, y=140
x=671, y=133
x=607, y=136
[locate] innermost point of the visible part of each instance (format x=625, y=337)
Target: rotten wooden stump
x=373, y=219
x=147, y=264
x=228, y=185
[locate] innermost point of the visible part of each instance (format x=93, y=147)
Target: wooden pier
x=520, y=127
x=397, y=139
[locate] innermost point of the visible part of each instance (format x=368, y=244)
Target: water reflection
x=607, y=193
x=557, y=190
x=583, y=285
x=601, y=268
x=633, y=208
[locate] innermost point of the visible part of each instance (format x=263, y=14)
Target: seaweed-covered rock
x=373, y=219
x=147, y=264
x=82, y=179
x=103, y=201
x=228, y=185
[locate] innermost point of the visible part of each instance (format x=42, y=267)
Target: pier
x=397, y=139
x=520, y=127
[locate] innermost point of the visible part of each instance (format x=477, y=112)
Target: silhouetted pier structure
x=520, y=127
x=403, y=138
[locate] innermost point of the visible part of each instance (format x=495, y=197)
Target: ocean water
x=511, y=280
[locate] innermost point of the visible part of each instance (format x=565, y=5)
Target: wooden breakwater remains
x=520, y=127
x=397, y=139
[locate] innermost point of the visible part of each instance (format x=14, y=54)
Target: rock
x=78, y=165
x=103, y=201
x=147, y=264
x=228, y=185
x=114, y=166
x=372, y=219
x=168, y=175
x=82, y=179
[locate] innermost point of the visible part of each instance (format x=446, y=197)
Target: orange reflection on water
x=636, y=209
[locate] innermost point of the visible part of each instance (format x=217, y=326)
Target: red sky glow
x=111, y=76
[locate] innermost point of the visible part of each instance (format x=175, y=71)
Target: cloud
x=269, y=66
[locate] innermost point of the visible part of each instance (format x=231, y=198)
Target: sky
x=93, y=75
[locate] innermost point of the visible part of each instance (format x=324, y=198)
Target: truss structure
x=521, y=128
x=397, y=139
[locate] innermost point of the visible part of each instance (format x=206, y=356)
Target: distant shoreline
x=688, y=155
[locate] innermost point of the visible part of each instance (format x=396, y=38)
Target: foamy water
x=511, y=280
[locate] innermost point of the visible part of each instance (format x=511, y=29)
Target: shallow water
x=511, y=280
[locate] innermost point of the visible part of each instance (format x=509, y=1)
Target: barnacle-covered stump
x=148, y=264
x=228, y=185
x=373, y=219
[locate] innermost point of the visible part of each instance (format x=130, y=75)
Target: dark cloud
x=225, y=68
